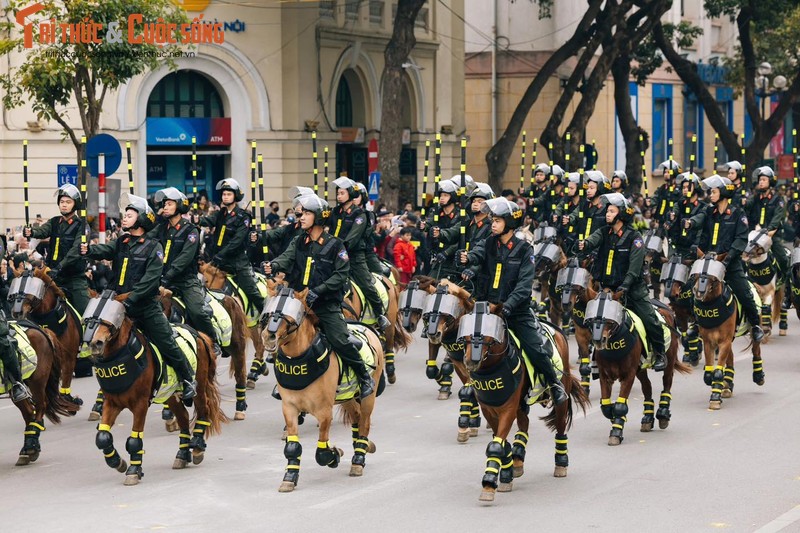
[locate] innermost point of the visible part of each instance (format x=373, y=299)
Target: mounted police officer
x=319, y=261
x=226, y=249
x=621, y=258
x=440, y=219
x=180, y=240
x=573, y=203
x=619, y=182
x=509, y=263
x=67, y=267
x=666, y=195
x=349, y=223
x=374, y=263
x=724, y=231
x=10, y=360
x=735, y=173
x=592, y=217
x=766, y=209
x=479, y=227
x=278, y=239
x=137, y=262
x=683, y=240
x=547, y=203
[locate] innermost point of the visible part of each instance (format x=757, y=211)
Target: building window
x=662, y=122
x=422, y=19
x=344, y=105
x=186, y=94
x=692, y=125
x=326, y=9
x=376, y=12
x=351, y=9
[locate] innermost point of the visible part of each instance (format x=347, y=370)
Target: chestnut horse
x=762, y=271
x=236, y=350
x=618, y=349
x=290, y=329
x=494, y=362
x=550, y=259
x=217, y=280
x=675, y=277
x=43, y=383
x=117, y=348
x=720, y=320
x=574, y=284
x=36, y=297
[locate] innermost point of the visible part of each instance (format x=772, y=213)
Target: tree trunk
x=497, y=157
x=396, y=53
x=621, y=70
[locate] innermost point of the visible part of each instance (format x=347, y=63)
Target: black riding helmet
x=70, y=191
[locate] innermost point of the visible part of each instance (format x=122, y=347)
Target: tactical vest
x=314, y=266
x=615, y=260
x=61, y=242
x=504, y=267
x=476, y=234
x=681, y=238
x=722, y=229
x=496, y=385
x=343, y=222
x=226, y=227
x=173, y=240
x=130, y=262
x=297, y=373
x=763, y=209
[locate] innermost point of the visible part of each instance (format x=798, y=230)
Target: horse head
x=412, y=302
x=444, y=306
x=103, y=321
x=548, y=256
x=653, y=244
x=213, y=276
x=707, y=277
x=284, y=313
x=757, y=249
x=674, y=275
x=572, y=283
x=604, y=317
x=483, y=334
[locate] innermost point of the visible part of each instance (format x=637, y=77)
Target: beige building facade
x=283, y=69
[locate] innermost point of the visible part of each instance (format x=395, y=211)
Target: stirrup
x=189, y=389
x=660, y=362
x=20, y=392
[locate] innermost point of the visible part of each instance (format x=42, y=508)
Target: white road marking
x=782, y=522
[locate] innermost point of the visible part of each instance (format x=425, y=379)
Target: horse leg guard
x=607, y=408
x=445, y=379
x=326, y=456
x=649, y=419
x=784, y=323
x=692, y=355
x=620, y=409
x=617, y=425
x=595, y=370
x=431, y=371
x=293, y=450
x=257, y=369
x=198, y=441
x=66, y=394
x=465, y=406
x=729, y=374
x=585, y=370
x=105, y=442
x=390, y=369
x=766, y=317
x=495, y=454
x=241, y=399
x=135, y=447
x=184, y=454
x=360, y=447
x=758, y=371
x=97, y=409
x=562, y=457
x=30, y=444
x=520, y=446
x=507, y=470
x=167, y=414
x=475, y=415
x=708, y=375
x=663, y=414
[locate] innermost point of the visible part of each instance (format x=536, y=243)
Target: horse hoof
x=504, y=487
x=463, y=435
x=371, y=448
x=284, y=435
x=519, y=470
x=444, y=395
x=197, y=456
x=392, y=378
x=171, y=425
x=782, y=333
x=122, y=467
x=560, y=471
x=356, y=470
x=487, y=495
x=663, y=423
x=131, y=480
x=239, y=415
x=715, y=405
x=473, y=432
x=94, y=416
x=647, y=427
x=727, y=393
x=23, y=460
x=286, y=486
x=251, y=384
x=179, y=464
x=614, y=441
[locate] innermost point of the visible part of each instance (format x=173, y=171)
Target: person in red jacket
x=405, y=256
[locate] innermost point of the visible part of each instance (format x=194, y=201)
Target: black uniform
x=450, y=223
x=682, y=239
x=664, y=200
x=768, y=211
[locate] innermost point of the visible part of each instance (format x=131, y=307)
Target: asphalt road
x=736, y=469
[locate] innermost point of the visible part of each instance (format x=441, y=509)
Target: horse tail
x=56, y=404
x=212, y=399
x=682, y=367
x=777, y=302
x=239, y=330
x=576, y=395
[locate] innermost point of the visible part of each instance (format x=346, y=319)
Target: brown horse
x=217, y=280
x=575, y=287
x=236, y=350
x=720, y=320
x=446, y=304
x=495, y=365
x=763, y=273
x=411, y=301
x=36, y=297
x=675, y=277
x=43, y=384
x=307, y=385
x=120, y=352
x=654, y=260
x=618, y=352
x=395, y=337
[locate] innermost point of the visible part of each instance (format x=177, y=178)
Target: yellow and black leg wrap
x=758, y=371
x=766, y=317
x=293, y=452
x=390, y=364
x=693, y=348
x=585, y=370
x=520, y=446
x=257, y=369
x=198, y=441
x=241, y=397
x=729, y=374
x=475, y=415
x=708, y=374
x=663, y=412
x=507, y=470
x=620, y=408
x=360, y=446
x=431, y=370
x=167, y=414
x=717, y=378
x=595, y=370
x=326, y=455
x=617, y=425
x=30, y=444
x=562, y=457
x=135, y=447
x=784, y=323
x=445, y=377
x=98, y=403
x=354, y=434
x=607, y=408
x=105, y=441
x=66, y=394
x=465, y=406
x=184, y=454
x=649, y=412
x=495, y=457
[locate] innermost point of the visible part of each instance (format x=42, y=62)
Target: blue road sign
x=103, y=144
x=67, y=174
x=374, y=186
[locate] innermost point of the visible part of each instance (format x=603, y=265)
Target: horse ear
x=496, y=309
x=302, y=295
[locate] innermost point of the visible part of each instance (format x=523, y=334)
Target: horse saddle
x=25, y=353
x=637, y=326
x=538, y=384
x=368, y=315
x=220, y=319
x=167, y=383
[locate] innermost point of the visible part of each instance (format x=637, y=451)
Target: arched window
x=185, y=94
x=344, y=105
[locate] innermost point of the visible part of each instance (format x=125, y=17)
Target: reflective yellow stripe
x=467, y=247
x=103, y=427
x=497, y=273
x=307, y=275
x=663, y=205
x=221, y=235
x=55, y=254
x=763, y=213
x=609, y=261
x=338, y=228
x=716, y=232
x=588, y=228
x=122, y=274
x=166, y=250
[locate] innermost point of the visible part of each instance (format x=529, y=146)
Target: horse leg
x=30, y=445
x=97, y=408
x=445, y=379
x=68, y=362
x=135, y=444
x=758, y=365
x=465, y=395
x=181, y=419
x=105, y=441
x=499, y=463
x=727, y=391
x=292, y=450
x=259, y=366
x=718, y=374
x=475, y=417
x=619, y=409
x=585, y=362
x=649, y=419
x=361, y=443
x=520, y=445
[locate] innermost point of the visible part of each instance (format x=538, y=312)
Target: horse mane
x=48, y=281
x=461, y=293
x=425, y=281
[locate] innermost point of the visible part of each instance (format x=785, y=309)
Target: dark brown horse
x=618, y=353
x=36, y=297
x=495, y=364
x=654, y=260
x=43, y=384
x=675, y=276
x=720, y=320
x=119, y=353
x=550, y=259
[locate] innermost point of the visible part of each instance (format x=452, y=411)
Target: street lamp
x=779, y=83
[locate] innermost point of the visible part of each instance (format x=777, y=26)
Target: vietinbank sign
x=179, y=131
x=139, y=31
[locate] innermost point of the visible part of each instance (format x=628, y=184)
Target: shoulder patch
x=744, y=220
x=160, y=255
x=192, y=237
x=533, y=259
x=638, y=242
x=359, y=220
x=246, y=221
x=343, y=255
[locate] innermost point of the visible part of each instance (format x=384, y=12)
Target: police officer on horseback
x=620, y=260
x=181, y=242
x=592, y=217
x=443, y=218
x=766, y=209
x=724, y=231
x=319, y=262
x=67, y=267
x=547, y=203
x=278, y=239
x=10, y=360
x=666, y=195
x=138, y=267
x=231, y=227
x=509, y=263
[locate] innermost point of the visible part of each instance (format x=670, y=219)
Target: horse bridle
x=480, y=318
x=441, y=292
x=94, y=316
x=274, y=314
x=412, y=299
x=23, y=291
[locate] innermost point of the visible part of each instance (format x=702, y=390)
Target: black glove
x=468, y=274
x=166, y=282
x=507, y=312
x=53, y=273
x=27, y=232
x=311, y=297
x=727, y=260
x=439, y=258
x=253, y=236
x=457, y=258
x=623, y=293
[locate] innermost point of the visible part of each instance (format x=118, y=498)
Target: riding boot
x=275, y=393
x=557, y=392
x=19, y=391
x=660, y=362
x=757, y=333
x=365, y=381
x=184, y=372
